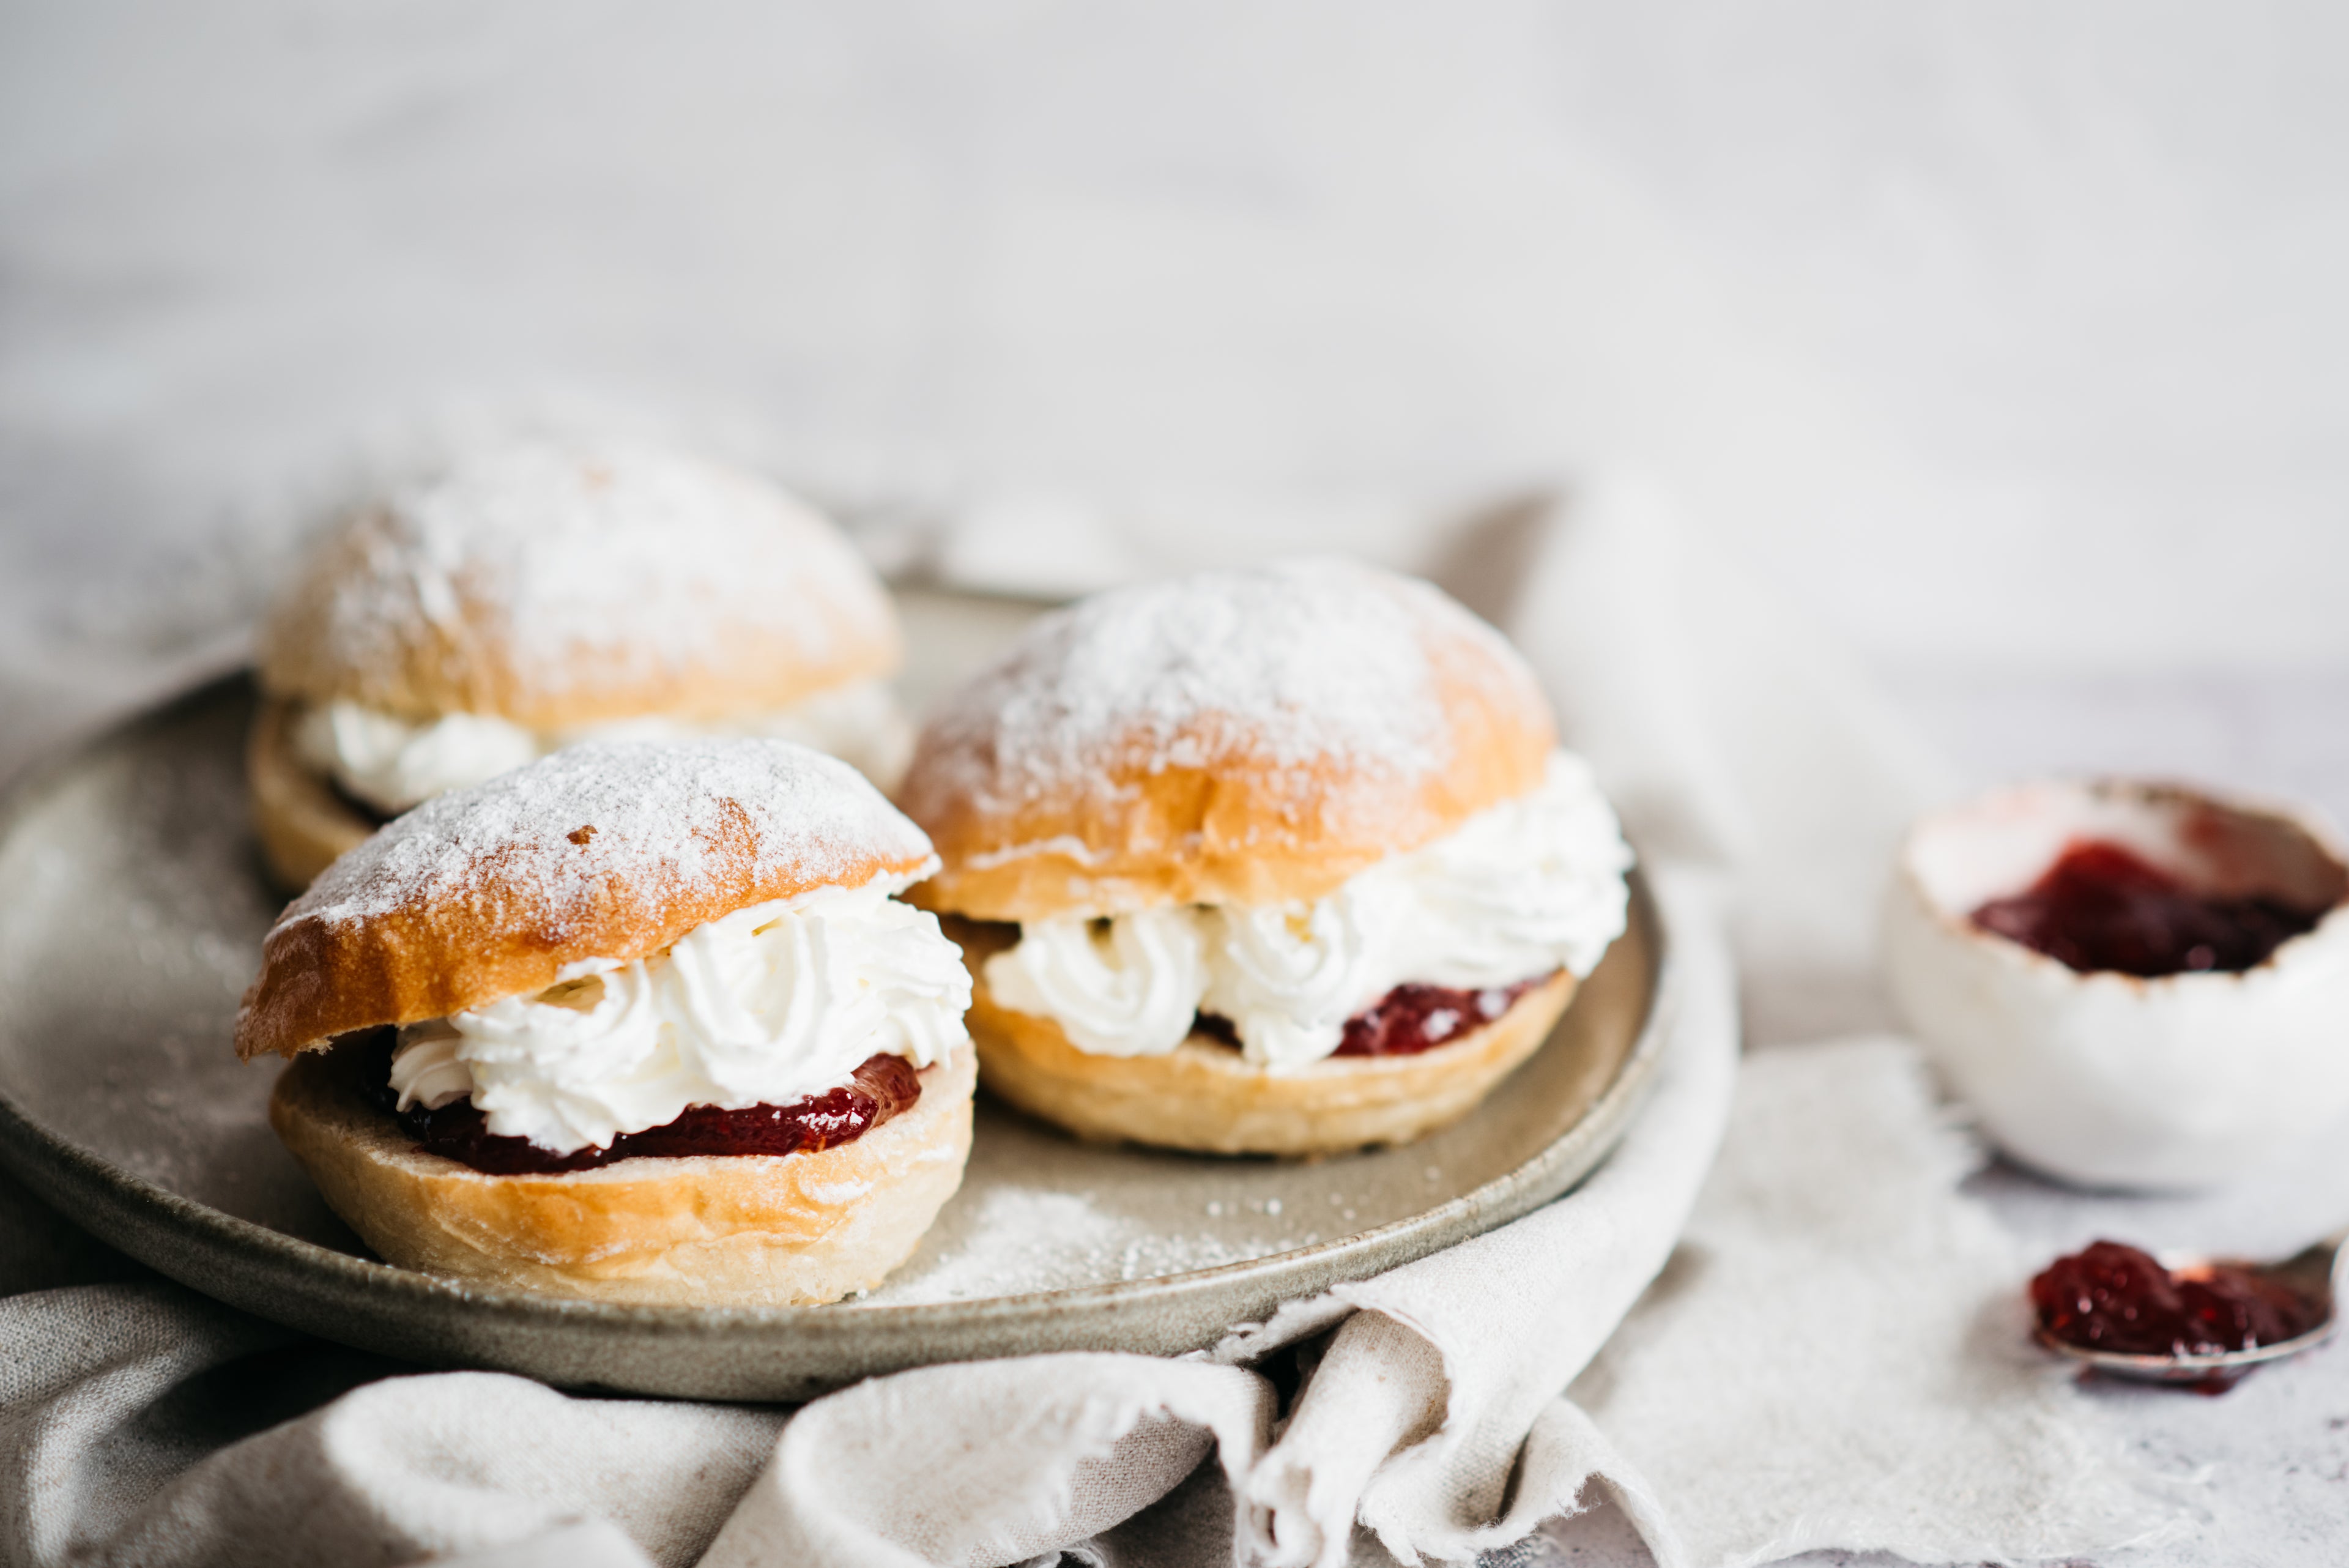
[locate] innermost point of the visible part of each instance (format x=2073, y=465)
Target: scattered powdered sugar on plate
x=1019, y=1241
x=1297, y=663
x=642, y=821
x=625, y=549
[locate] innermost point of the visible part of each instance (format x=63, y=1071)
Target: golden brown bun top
x=561, y=584
x=605, y=851
x=1230, y=737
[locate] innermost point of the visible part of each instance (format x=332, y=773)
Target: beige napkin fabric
x=1839, y=1354
x=991, y=1462
x=124, y=1411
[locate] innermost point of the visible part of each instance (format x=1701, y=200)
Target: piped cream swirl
x=1122, y=987
x=1527, y=886
x=764, y=1006
x=393, y=764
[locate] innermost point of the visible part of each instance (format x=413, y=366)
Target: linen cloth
x=141, y=1424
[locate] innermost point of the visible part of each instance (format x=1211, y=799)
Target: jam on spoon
x=2100, y=907
x=2120, y=1301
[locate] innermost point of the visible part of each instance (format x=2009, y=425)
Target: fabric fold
x=1414, y=1419
x=136, y=1450
x=1729, y=736
x=85, y=1370
x=1839, y=1354
x=990, y=1462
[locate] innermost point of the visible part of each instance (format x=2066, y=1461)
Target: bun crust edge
x=395, y=932
x=1213, y=813
x=1245, y=833
x=302, y=824
x=468, y=659
x=1205, y=1096
x=711, y=1230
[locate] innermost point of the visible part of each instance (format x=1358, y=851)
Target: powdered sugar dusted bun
x=1244, y=737
x=557, y=585
x=712, y=1230
x=609, y=851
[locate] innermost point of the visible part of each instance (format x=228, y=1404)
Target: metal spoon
x=2314, y=1274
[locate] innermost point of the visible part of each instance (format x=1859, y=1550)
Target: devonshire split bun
x=1231, y=737
x=1275, y=861
x=533, y=594
x=637, y=1022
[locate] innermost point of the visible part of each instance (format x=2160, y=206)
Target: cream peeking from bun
x=539, y=593
x=1283, y=861
x=636, y=1022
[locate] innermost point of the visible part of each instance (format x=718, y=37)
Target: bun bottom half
x=303, y=825
x=710, y=1231
x=1205, y=1096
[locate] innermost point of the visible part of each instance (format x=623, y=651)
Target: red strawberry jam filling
x=2100, y=907
x=882, y=1088
x=2117, y=1298
x=1407, y=1020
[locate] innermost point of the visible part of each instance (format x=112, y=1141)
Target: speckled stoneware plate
x=131, y=913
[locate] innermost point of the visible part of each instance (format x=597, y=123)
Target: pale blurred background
x=2006, y=343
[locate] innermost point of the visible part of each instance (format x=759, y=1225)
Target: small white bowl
x=2106, y=1079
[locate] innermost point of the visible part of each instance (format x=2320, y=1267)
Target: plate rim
x=142, y=1217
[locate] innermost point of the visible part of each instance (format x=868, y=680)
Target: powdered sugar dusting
x=645, y=557
x=563, y=836
x=1012, y=1240
x=1297, y=663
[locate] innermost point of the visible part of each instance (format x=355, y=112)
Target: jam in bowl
x=2102, y=906
x=2135, y=985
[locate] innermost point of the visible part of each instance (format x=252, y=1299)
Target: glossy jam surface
x=2100, y=907
x=1414, y=1018
x=2117, y=1298
x=882, y=1088
x=1407, y=1020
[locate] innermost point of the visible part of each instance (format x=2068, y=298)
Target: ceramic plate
x=131, y=913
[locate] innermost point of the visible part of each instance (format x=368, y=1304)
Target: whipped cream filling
x=765, y=1006
x=1527, y=886
x=393, y=764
